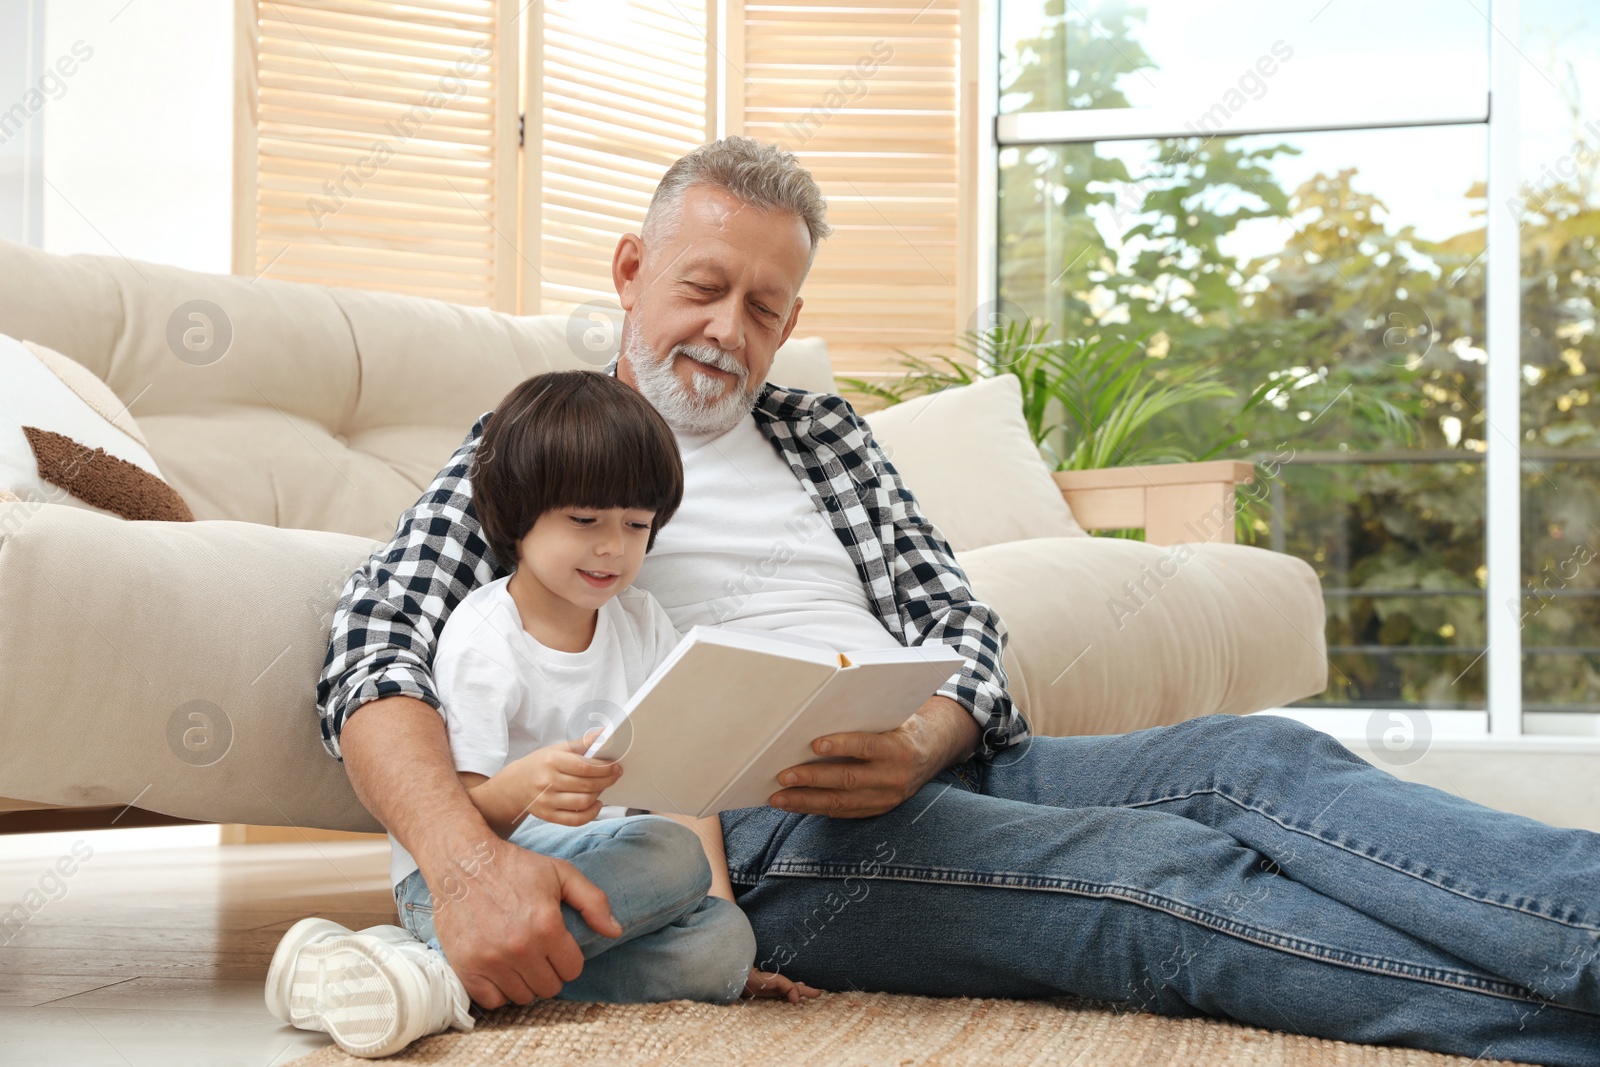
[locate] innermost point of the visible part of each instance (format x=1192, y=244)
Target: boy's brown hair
x=573, y=438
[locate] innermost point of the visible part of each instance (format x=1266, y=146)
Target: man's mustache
x=711, y=356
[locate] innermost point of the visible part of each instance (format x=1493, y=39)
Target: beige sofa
x=298, y=450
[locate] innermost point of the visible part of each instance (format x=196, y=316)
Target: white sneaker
x=374, y=991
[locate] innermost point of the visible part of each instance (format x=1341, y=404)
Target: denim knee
x=724, y=951
x=674, y=854
x=715, y=960
x=1247, y=738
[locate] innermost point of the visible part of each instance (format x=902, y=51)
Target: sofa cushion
x=967, y=455
x=191, y=656
x=1107, y=635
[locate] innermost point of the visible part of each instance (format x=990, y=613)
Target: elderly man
x=1240, y=867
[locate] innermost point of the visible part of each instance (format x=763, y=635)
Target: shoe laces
x=448, y=1002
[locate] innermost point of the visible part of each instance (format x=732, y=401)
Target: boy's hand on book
x=778, y=987
x=561, y=784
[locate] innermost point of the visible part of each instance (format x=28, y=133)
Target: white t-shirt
x=750, y=548
x=505, y=694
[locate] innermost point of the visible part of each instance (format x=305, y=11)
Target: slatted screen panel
x=867, y=96
x=376, y=146
x=618, y=90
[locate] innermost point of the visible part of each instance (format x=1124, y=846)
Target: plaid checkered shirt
x=393, y=608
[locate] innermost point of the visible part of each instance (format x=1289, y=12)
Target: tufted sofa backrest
x=289, y=404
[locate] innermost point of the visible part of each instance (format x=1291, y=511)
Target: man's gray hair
x=764, y=176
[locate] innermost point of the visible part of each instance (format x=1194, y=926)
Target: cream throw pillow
x=966, y=455
x=66, y=439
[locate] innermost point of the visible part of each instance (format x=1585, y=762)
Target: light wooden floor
x=158, y=958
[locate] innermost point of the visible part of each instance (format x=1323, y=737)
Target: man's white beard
x=704, y=410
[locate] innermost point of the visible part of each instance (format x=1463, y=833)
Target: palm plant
x=1101, y=401
x=1089, y=402
x=1112, y=398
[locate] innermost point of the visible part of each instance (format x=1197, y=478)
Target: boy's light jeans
x=676, y=943
x=1246, y=867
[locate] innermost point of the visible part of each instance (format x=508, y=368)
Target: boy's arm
x=709, y=830
x=759, y=983
x=502, y=813
x=553, y=784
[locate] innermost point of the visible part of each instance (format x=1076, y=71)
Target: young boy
x=575, y=474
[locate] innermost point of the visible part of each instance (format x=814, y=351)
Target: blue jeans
x=677, y=943
x=1244, y=867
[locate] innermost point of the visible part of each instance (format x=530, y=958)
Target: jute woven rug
x=872, y=1029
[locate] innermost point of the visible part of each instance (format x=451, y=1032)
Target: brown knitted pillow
x=103, y=480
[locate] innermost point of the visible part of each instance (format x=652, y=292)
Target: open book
x=719, y=718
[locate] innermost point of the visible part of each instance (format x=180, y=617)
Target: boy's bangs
x=599, y=461
x=573, y=439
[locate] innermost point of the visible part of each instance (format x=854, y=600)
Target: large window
x=1325, y=215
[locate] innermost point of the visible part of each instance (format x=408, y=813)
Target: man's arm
x=497, y=905
x=389, y=616
x=937, y=604
x=972, y=714
x=422, y=800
